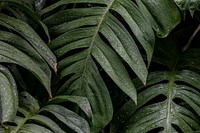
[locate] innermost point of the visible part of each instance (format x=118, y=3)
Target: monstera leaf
x=177, y=108
x=106, y=33
x=170, y=100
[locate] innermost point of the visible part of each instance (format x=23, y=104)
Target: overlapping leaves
x=103, y=34
x=85, y=35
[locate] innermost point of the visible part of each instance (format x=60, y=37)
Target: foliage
x=99, y=66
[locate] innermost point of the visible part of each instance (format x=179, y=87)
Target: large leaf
x=107, y=33
x=8, y=96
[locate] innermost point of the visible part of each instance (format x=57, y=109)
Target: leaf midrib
x=169, y=103
x=96, y=33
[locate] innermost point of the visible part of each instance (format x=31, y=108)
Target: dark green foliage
x=68, y=66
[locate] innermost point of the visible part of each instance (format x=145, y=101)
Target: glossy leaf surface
x=167, y=112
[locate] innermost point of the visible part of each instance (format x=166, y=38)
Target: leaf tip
x=49, y=39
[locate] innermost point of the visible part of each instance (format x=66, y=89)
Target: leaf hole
x=142, y=88
x=177, y=128
x=20, y=114
x=157, y=99
x=156, y=130
x=10, y=123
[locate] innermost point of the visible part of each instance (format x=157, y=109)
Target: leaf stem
x=22, y=123
x=191, y=39
x=7, y=129
x=169, y=104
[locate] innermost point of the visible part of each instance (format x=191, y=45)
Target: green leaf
x=10, y=54
x=69, y=118
x=111, y=28
x=82, y=102
x=85, y=37
x=28, y=105
x=112, y=65
x=110, y=33
x=29, y=118
x=90, y=85
x=140, y=28
x=128, y=48
x=8, y=96
x=25, y=47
